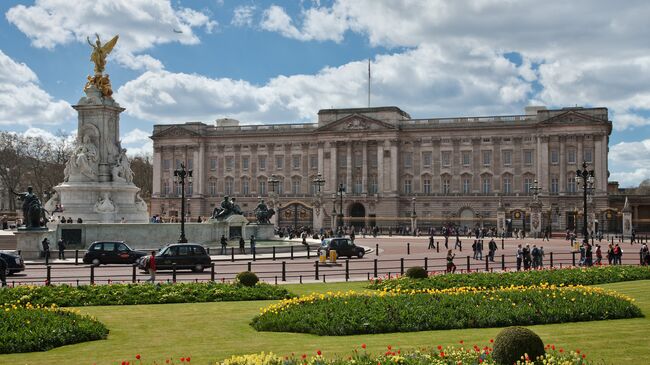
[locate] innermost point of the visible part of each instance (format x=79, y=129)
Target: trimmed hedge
x=570, y=276
x=127, y=294
x=513, y=343
x=353, y=313
x=25, y=328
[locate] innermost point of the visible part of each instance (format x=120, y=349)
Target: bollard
x=377, y=249
x=487, y=263
x=408, y=248
x=438, y=247
x=92, y=274
x=300, y=279
x=249, y=266
x=174, y=272
x=375, y=269
x=426, y=264
x=503, y=262
x=47, y=258
x=273, y=253
x=551, y=257
x=232, y=254
x=133, y=273
x=573, y=258
x=347, y=270
x=212, y=271
x=284, y=271
x=291, y=252
x=502, y=245
x=323, y=277
x=253, y=254
x=308, y=253
x=401, y=266
x=76, y=257
x=49, y=275
x=316, y=270
x=468, y=267
x=276, y=280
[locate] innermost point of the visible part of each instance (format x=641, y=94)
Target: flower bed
x=125, y=294
x=570, y=276
x=398, y=311
x=27, y=328
x=459, y=355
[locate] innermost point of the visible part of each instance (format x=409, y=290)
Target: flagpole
x=368, y=82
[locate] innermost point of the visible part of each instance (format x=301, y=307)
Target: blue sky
x=281, y=61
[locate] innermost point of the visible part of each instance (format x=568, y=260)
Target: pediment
x=356, y=123
x=175, y=131
x=571, y=116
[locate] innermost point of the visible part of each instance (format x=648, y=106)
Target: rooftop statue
x=100, y=52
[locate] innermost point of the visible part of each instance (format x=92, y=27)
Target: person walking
x=242, y=248
x=527, y=257
x=618, y=254
x=479, y=249
x=450, y=262
x=546, y=235
x=492, y=248
x=610, y=254
x=253, y=244
x=224, y=245
x=599, y=255
x=520, y=255
x=46, y=249
x=3, y=271
x=151, y=267
x=431, y=242
x=535, y=255
x=61, y=246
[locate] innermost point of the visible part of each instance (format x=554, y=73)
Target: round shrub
x=513, y=342
x=416, y=272
x=247, y=278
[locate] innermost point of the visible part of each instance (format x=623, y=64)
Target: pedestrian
x=458, y=243
x=3, y=271
x=599, y=255
x=253, y=244
x=535, y=255
x=520, y=255
x=475, y=250
x=633, y=239
x=588, y=255
x=479, y=249
x=61, y=246
x=352, y=236
x=446, y=241
x=618, y=254
x=541, y=257
x=610, y=254
x=431, y=243
x=527, y=257
x=46, y=249
x=450, y=262
x=546, y=235
x=492, y=247
x=242, y=249
x=224, y=245
x=151, y=267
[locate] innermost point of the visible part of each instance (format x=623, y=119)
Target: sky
x=281, y=61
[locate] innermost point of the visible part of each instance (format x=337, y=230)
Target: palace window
x=555, y=157
x=445, y=157
x=230, y=163
x=467, y=158
x=487, y=158
x=372, y=185
x=358, y=186
x=446, y=183
x=426, y=159
x=190, y=164
x=571, y=184
x=507, y=158
x=261, y=187
x=228, y=186
x=408, y=159
x=426, y=186
x=588, y=155
x=358, y=159
x=177, y=188
x=528, y=183
x=245, y=163
x=279, y=162
x=166, y=187
x=213, y=164
x=467, y=185
x=313, y=162
x=571, y=155
x=528, y=157
x=487, y=183
x=166, y=164
x=261, y=162
x=554, y=185
x=245, y=188
x=212, y=187
x=295, y=186
x=295, y=162
x=190, y=189
x=407, y=186
x=507, y=185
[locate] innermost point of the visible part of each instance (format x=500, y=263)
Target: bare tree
x=142, y=167
x=12, y=167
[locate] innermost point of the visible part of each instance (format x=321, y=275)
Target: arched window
x=212, y=187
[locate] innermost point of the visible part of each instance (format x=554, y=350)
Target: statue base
x=83, y=200
x=28, y=242
x=262, y=232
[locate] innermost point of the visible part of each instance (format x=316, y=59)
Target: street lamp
x=180, y=175
x=318, y=182
x=586, y=178
x=340, y=191
x=535, y=189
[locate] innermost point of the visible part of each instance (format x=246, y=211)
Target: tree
x=12, y=167
x=142, y=167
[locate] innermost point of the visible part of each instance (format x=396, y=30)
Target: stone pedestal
x=536, y=219
x=501, y=219
x=262, y=232
x=102, y=202
x=627, y=219
x=28, y=242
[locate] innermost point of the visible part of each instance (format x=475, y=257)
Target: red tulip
x=318, y=352
x=137, y=356
x=363, y=345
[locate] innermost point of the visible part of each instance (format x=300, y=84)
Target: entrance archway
x=357, y=215
x=295, y=215
x=466, y=218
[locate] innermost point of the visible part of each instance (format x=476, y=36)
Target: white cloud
x=275, y=19
x=436, y=84
x=243, y=16
x=136, y=136
x=629, y=162
x=23, y=102
x=141, y=24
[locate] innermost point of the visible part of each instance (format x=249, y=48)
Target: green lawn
x=211, y=331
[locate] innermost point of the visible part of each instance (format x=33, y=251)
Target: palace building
x=395, y=170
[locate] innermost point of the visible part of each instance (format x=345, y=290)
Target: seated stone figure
x=263, y=213
x=228, y=208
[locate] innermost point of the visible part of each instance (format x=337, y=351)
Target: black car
x=342, y=246
x=185, y=255
x=14, y=262
x=111, y=252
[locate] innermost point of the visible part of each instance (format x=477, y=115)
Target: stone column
x=627, y=219
x=380, y=167
x=562, y=178
x=348, y=170
x=364, y=167
x=604, y=163
x=501, y=219
x=333, y=168
x=580, y=157
x=199, y=169
x=535, y=219
x=543, y=162
x=394, y=162
x=157, y=179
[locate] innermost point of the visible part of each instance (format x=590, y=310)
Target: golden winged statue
x=100, y=52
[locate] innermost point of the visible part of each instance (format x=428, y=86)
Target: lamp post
x=339, y=225
x=586, y=178
x=180, y=175
x=414, y=216
x=318, y=182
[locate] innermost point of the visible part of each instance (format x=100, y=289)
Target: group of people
x=62, y=219
x=530, y=258
x=242, y=245
x=60, y=245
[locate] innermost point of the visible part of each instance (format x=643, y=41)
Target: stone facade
x=441, y=169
